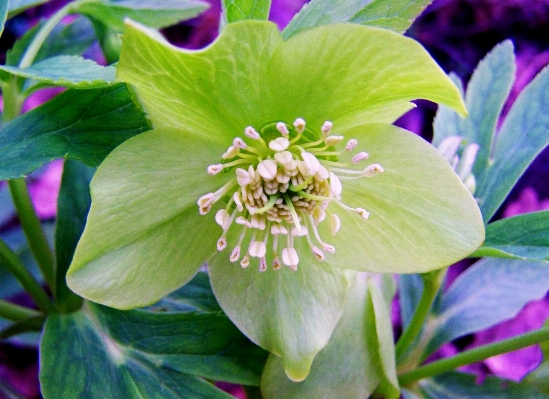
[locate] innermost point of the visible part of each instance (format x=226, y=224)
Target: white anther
x=239, y=143
x=258, y=221
x=327, y=128
x=299, y=125
x=282, y=128
x=318, y=215
x=449, y=147
x=361, y=156
x=242, y=177
x=333, y=140
x=363, y=213
x=251, y=133
x=319, y=255
x=278, y=229
x=245, y=262
x=243, y=221
x=322, y=173
x=215, y=169
x=262, y=264
x=251, y=172
x=329, y=248
x=223, y=218
x=282, y=177
x=231, y=152
x=372, y=170
x=257, y=249
x=310, y=160
x=299, y=233
x=267, y=169
x=290, y=258
x=351, y=144
x=235, y=255
x=335, y=224
x=238, y=201
x=284, y=157
x=279, y=144
x=276, y=262
x=221, y=244
x=205, y=203
x=335, y=185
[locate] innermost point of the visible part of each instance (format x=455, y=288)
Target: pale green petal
x=144, y=236
x=291, y=314
x=421, y=215
x=339, y=72
x=216, y=91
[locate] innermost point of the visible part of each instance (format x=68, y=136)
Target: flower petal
x=421, y=215
x=214, y=92
x=137, y=245
x=348, y=73
x=291, y=314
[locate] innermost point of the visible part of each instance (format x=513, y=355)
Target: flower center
x=280, y=184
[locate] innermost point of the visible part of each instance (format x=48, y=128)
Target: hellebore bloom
x=257, y=165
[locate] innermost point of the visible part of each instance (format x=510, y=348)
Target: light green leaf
x=153, y=13
x=144, y=237
x=4, y=7
x=487, y=91
x=68, y=71
x=396, y=15
x=291, y=314
x=80, y=124
x=72, y=209
x=238, y=10
x=347, y=368
x=18, y=6
x=521, y=138
x=523, y=237
x=140, y=354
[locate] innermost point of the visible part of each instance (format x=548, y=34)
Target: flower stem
x=13, y=265
x=431, y=284
x=32, y=228
x=475, y=355
x=11, y=311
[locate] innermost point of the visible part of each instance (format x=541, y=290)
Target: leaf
x=153, y=13
x=239, y=10
x=7, y=209
x=396, y=15
x=347, y=368
x=80, y=124
x=410, y=287
x=4, y=7
x=73, y=204
x=480, y=297
x=18, y=6
x=139, y=354
x=523, y=237
x=455, y=385
x=68, y=71
x=539, y=377
x=30, y=324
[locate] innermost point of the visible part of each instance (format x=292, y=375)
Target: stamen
x=279, y=144
x=215, y=169
x=276, y=262
x=295, y=218
x=361, y=156
x=205, y=203
x=239, y=143
x=231, y=152
x=235, y=255
x=222, y=243
x=299, y=233
x=258, y=221
x=362, y=213
x=245, y=261
x=269, y=205
x=319, y=255
x=299, y=125
x=262, y=264
x=333, y=140
x=327, y=128
x=238, y=201
x=282, y=128
x=351, y=144
x=318, y=215
x=243, y=221
x=311, y=161
x=283, y=158
x=290, y=258
x=242, y=177
x=335, y=185
x=335, y=223
x=267, y=169
x=327, y=247
x=372, y=170
x=251, y=133
x=223, y=218
x=277, y=229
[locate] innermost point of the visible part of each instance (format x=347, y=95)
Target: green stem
x=33, y=230
x=11, y=311
x=11, y=262
x=475, y=355
x=431, y=284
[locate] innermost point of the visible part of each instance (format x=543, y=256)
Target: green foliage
x=80, y=124
x=239, y=10
x=396, y=15
x=523, y=237
x=142, y=353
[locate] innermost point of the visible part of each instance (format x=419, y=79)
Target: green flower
x=256, y=165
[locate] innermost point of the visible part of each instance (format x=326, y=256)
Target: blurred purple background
x=458, y=33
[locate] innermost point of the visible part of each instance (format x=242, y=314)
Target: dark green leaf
x=154, y=13
x=396, y=15
x=80, y=124
x=239, y=10
x=66, y=70
x=463, y=386
x=143, y=354
x=4, y=7
x=523, y=237
x=18, y=6
x=73, y=204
